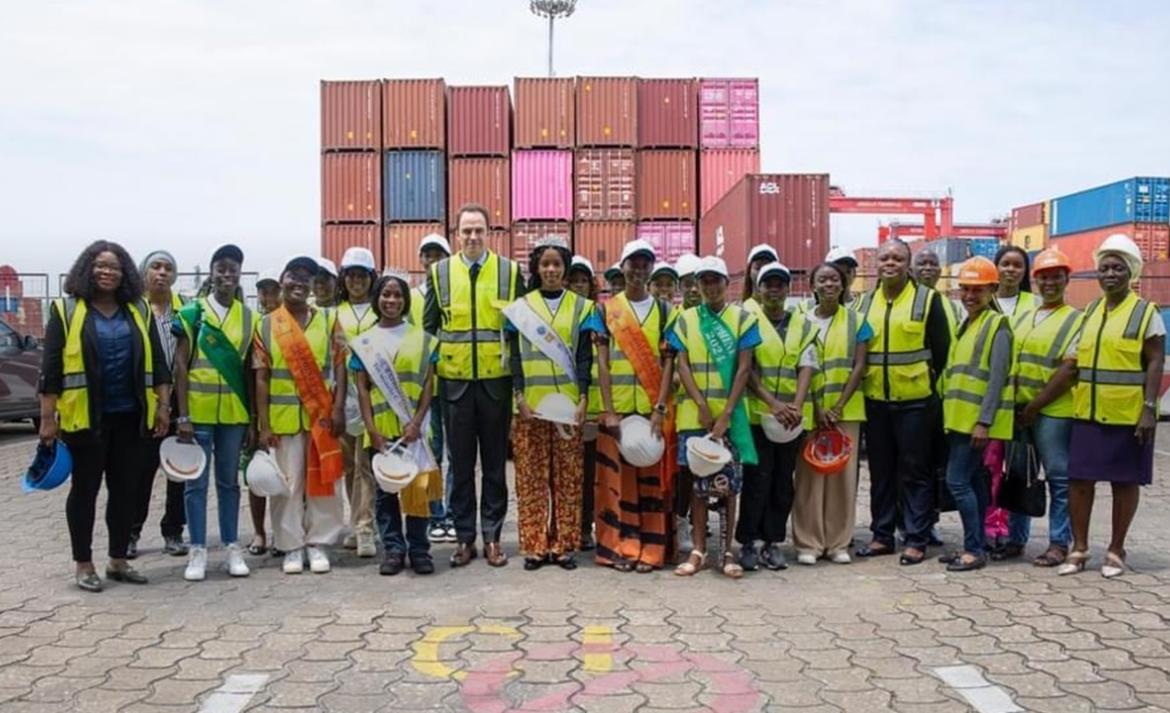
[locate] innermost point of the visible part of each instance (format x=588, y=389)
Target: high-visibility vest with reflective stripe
x=837, y=351
x=541, y=375
x=898, y=359
x=965, y=380
x=209, y=398
x=626, y=391
x=286, y=414
x=1040, y=349
x=411, y=362
x=1111, y=381
x=73, y=403
x=777, y=362
x=353, y=325
x=473, y=350
x=418, y=303
x=1026, y=303
x=703, y=370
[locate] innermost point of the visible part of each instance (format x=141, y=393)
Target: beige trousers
x=824, y=511
x=359, y=484
x=296, y=519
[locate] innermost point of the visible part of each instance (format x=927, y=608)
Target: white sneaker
x=196, y=564
x=236, y=566
x=806, y=558
x=365, y=545
x=294, y=562
x=841, y=557
x=318, y=560
x=350, y=542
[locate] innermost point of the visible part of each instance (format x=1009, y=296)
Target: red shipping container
x=336, y=239
x=1153, y=239
x=789, y=211
x=670, y=240
x=484, y=181
x=666, y=184
x=1155, y=283
x=542, y=185
x=1027, y=215
x=605, y=184
x=479, y=121
x=527, y=234
x=414, y=113
x=498, y=241
x=668, y=113
x=400, y=245
x=351, y=187
x=607, y=111
x=351, y=115
x=545, y=112
x=720, y=169
x=601, y=242
x=729, y=113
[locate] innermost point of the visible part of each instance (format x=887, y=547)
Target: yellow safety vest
x=411, y=363
x=1026, y=304
x=351, y=324
x=703, y=370
x=418, y=303
x=898, y=359
x=627, y=393
x=541, y=375
x=1111, y=384
x=471, y=344
x=777, y=362
x=209, y=398
x=837, y=352
x=286, y=414
x=1040, y=348
x=73, y=403
x=965, y=379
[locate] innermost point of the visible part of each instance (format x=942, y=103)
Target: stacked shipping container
x=414, y=117
x=351, y=169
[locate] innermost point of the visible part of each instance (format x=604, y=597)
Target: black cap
x=301, y=261
x=229, y=251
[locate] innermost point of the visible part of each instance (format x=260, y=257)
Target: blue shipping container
x=416, y=186
x=1166, y=321
x=950, y=250
x=1134, y=200
x=984, y=247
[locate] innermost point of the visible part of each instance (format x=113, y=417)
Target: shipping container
x=1026, y=215
x=497, y=240
x=984, y=247
x=605, y=184
x=949, y=251
x=670, y=240
x=336, y=239
x=414, y=113
x=400, y=244
x=1153, y=240
x=601, y=242
x=729, y=113
x=542, y=185
x=545, y=111
x=607, y=111
x=1082, y=289
x=351, y=116
x=1134, y=200
x=351, y=187
x=484, y=181
x=720, y=169
x=1155, y=283
x=416, y=186
x=527, y=234
x=666, y=184
x=790, y=212
x=479, y=121
x=1032, y=237
x=668, y=113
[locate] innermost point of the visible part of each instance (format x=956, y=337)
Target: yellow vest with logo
x=627, y=393
x=837, y=351
x=541, y=375
x=286, y=414
x=777, y=362
x=898, y=358
x=209, y=398
x=1040, y=349
x=73, y=403
x=965, y=380
x=471, y=342
x=411, y=363
x=1111, y=383
x=703, y=370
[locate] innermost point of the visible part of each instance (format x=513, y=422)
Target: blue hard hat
x=50, y=468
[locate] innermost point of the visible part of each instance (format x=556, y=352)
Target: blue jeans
x=1051, y=436
x=388, y=513
x=439, y=514
x=969, y=488
x=225, y=457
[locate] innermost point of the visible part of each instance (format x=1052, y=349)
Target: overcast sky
x=182, y=124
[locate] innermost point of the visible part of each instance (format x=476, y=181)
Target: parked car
x=20, y=368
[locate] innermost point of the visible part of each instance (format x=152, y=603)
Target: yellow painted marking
x=426, y=652
x=598, y=638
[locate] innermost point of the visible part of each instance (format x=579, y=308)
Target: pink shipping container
x=729, y=113
x=1028, y=215
x=351, y=187
x=545, y=112
x=668, y=113
x=336, y=239
x=400, y=244
x=601, y=242
x=351, y=115
x=607, y=111
x=720, y=169
x=669, y=239
x=542, y=185
x=666, y=184
x=479, y=121
x=414, y=113
x=527, y=235
x=605, y=184
x=484, y=181
x=790, y=212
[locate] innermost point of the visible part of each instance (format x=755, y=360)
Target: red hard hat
x=827, y=450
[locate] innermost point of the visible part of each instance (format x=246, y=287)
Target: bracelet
x=182, y=420
x=659, y=408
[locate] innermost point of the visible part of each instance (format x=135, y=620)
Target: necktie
x=475, y=271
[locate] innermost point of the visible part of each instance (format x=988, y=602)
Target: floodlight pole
x=552, y=9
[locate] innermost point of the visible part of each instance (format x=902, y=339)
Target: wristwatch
x=183, y=420
x=659, y=408
x=1150, y=404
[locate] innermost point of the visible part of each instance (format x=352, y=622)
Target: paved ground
x=871, y=636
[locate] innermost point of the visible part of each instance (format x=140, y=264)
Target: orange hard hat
x=827, y=451
x=1050, y=259
x=978, y=271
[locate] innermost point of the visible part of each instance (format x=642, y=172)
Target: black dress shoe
x=463, y=554
x=531, y=564
x=89, y=581
x=566, y=562
x=422, y=565
x=960, y=566
x=391, y=565
x=874, y=549
x=126, y=574
x=132, y=548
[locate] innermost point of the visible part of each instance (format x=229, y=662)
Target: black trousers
x=903, y=480
x=478, y=424
x=768, y=492
x=116, y=453
x=174, y=516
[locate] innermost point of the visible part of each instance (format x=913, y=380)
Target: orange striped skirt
x=632, y=509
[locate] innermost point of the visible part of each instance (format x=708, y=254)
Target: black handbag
x=1023, y=489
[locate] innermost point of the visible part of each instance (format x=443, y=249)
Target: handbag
x=1023, y=489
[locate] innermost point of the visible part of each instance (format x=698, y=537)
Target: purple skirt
x=1109, y=454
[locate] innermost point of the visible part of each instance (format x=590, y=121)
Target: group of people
x=629, y=419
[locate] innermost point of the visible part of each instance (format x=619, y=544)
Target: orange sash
x=325, y=464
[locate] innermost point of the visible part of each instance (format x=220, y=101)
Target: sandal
x=1114, y=565
x=1074, y=563
x=695, y=561
x=1053, y=556
x=624, y=566
x=907, y=559
x=567, y=562
x=258, y=547
x=967, y=565
x=875, y=549
x=1010, y=551
x=643, y=568
x=731, y=566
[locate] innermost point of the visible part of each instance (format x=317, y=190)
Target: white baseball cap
x=434, y=240
x=841, y=255
x=773, y=269
x=637, y=247
x=663, y=268
x=762, y=250
x=712, y=264
x=358, y=257
x=581, y=263
x=327, y=265
x=686, y=264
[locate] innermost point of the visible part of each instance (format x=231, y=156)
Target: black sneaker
x=174, y=546
x=422, y=565
x=749, y=557
x=132, y=548
x=392, y=564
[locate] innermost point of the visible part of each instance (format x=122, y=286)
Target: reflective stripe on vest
x=838, y=350
x=1111, y=382
x=471, y=338
x=1040, y=349
x=966, y=377
x=898, y=359
x=411, y=363
x=541, y=376
x=286, y=414
x=777, y=360
x=209, y=398
x=706, y=375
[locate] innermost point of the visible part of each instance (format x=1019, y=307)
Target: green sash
x=218, y=349
x=721, y=346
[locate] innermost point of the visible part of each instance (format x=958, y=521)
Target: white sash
x=542, y=335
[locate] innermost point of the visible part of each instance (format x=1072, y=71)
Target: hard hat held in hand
x=393, y=468
x=827, y=451
x=180, y=461
x=637, y=444
x=50, y=468
x=776, y=432
x=557, y=408
x=706, y=456
x=264, y=477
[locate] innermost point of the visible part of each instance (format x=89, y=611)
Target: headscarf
x=154, y=255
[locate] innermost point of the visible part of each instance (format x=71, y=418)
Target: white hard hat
x=637, y=443
x=706, y=456
x=557, y=408
x=581, y=263
x=434, y=240
x=1123, y=246
x=773, y=269
x=637, y=247
x=841, y=255
x=762, y=250
x=777, y=432
x=712, y=264
x=686, y=264
x=264, y=477
x=663, y=268
x=358, y=257
x=181, y=461
x=268, y=276
x=393, y=469
x=327, y=265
